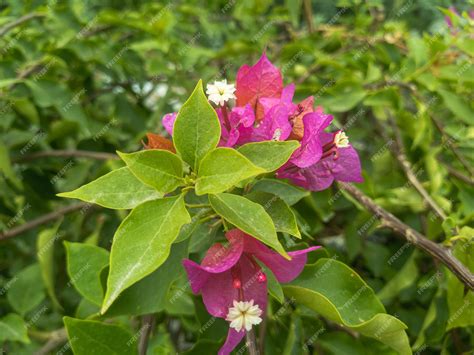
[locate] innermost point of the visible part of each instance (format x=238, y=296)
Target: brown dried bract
x=156, y=141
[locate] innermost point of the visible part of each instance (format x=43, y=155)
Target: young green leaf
x=223, y=168
x=197, y=129
x=13, y=328
x=84, y=263
x=159, y=169
x=119, y=189
x=458, y=106
x=249, y=217
x=142, y=243
x=45, y=253
x=87, y=337
x=269, y=155
x=357, y=308
x=461, y=311
x=281, y=214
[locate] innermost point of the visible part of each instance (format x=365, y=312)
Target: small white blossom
x=220, y=92
x=276, y=135
x=244, y=315
x=341, y=140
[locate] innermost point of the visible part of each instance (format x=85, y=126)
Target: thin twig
x=148, y=323
x=451, y=146
x=65, y=154
x=437, y=251
x=57, y=338
x=41, y=220
x=251, y=343
x=308, y=13
x=459, y=175
x=399, y=152
x=11, y=25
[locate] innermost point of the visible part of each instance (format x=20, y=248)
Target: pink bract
x=233, y=273
x=254, y=82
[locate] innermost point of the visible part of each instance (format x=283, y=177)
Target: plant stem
x=41, y=220
x=57, y=338
x=308, y=13
x=65, y=154
x=399, y=153
x=458, y=174
x=11, y=25
x=198, y=205
x=148, y=323
x=250, y=342
x=437, y=251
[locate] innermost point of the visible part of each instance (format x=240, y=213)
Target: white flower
x=341, y=140
x=276, y=135
x=220, y=92
x=244, y=315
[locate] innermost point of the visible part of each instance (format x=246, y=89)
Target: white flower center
x=276, y=135
x=220, y=92
x=244, y=315
x=341, y=140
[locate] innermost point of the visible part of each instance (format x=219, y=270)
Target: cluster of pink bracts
x=231, y=282
x=265, y=111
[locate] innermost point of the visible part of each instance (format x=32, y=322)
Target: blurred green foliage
x=96, y=76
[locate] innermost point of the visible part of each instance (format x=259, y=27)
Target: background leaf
x=45, y=248
x=85, y=335
x=84, y=265
x=13, y=328
x=335, y=291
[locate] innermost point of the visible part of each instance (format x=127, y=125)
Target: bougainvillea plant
x=235, y=160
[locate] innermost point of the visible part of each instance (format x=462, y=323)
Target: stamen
x=236, y=279
x=261, y=277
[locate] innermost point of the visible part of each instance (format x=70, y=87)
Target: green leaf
x=90, y=337
x=6, y=166
x=197, y=129
x=288, y=193
x=13, y=328
x=159, y=169
x=335, y=291
x=342, y=97
x=222, y=169
x=119, y=189
x=404, y=278
x=149, y=294
x=84, y=263
x=249, y=217
x=458, y=106
x=142, y=243
x=45, y=252
x=294, y=9
x=27, y=291
x=274, y=287
x=283, y=217
x=461, y=311
x=269, y=155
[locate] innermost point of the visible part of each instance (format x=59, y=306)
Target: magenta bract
x=233, y=273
